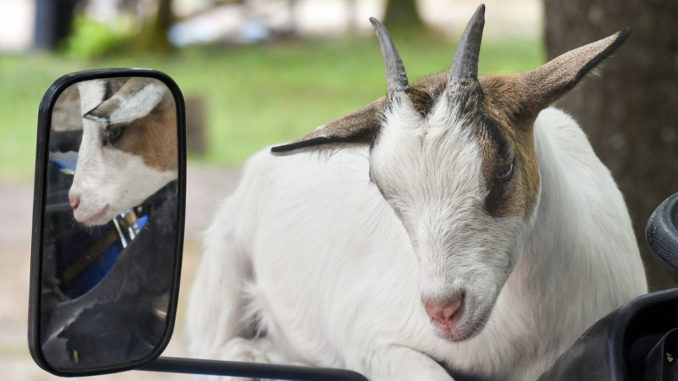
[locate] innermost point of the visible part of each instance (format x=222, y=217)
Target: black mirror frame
x=44, y=122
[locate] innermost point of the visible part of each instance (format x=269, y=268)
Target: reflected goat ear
x=359, y=126
x=135, y=99
x=545, y=84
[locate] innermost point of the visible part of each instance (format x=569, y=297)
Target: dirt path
x=205, y=188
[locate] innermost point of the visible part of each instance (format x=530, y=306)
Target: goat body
x=309, y=248
x=462, y=231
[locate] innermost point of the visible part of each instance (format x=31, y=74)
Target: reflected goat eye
x=504, y=172
x=112, y=134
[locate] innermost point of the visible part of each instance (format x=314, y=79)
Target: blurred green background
x=253, y=94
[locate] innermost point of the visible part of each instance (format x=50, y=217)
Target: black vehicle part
x=253, y=370
x=616, y=347
x=639, y=340
x=662, y=235
x=661, y=363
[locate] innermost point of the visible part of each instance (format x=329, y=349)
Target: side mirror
x=108, y=219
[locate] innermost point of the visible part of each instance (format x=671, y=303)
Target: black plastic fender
x=661, y=234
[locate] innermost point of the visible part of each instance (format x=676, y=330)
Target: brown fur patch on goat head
x=154, y=137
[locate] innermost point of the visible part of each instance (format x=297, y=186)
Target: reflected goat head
x=454, y=156
x=128, y=149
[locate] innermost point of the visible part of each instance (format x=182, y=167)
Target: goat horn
x=465, y=61
x=396, y=78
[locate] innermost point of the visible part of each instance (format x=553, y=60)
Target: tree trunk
x=630, y=113
x=153, y=36
x=402, y=15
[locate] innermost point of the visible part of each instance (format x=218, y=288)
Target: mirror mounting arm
x=252, y=370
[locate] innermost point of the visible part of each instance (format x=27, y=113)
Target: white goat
x=470, y=232
x=128, y=149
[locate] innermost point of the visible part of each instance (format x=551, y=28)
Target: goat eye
x=112, y=134
x=504, y=172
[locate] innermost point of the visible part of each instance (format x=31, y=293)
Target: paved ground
x=206, y=186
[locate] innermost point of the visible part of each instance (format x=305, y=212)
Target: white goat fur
x=308, y=247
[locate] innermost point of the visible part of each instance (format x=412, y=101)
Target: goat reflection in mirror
x=130, y=138
x=110, y=222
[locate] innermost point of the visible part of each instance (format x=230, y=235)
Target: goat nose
x=74, y=201
x=447, y=313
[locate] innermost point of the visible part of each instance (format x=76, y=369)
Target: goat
x=128, y=149
x=457, y=225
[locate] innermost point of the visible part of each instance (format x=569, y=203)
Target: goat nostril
x=444, y=312
x=75, y=201
x=451, y=310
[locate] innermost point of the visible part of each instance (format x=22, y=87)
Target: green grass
x=255, y=95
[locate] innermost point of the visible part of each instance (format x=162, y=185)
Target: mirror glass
x=110, y=226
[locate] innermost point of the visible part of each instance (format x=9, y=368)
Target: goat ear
x=359, y=126
x=134, y=100
x=545, y=84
